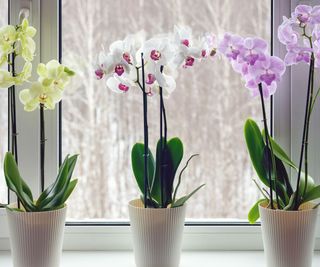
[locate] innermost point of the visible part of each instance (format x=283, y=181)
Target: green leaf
x=313, y=194
x=175, y=147
x=137, y=162
x=283, y=177
x=183, y=200
x=255, y=145
x=310, y=183
x=254, y=213
x=16, y=183
x=171, y=154
x=56, y=196
x=69, y=190
x=279, y=152
x=48, y=190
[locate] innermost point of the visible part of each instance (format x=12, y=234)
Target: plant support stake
x=145, y=127
x=42, y=146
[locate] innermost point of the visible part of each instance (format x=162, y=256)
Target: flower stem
x=305, y=133
x=146, y=137
x=270, y=165
x=163, y=143
x=42, y=147
x=13, y=115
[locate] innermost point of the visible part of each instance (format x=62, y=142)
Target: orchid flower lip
x=119, y=70
x=155, y=55
x=123, y=87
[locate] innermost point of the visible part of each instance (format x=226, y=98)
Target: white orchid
x=120, y=84
x=188, y=49
x=8, y=36
x=158, y=50
x=120, y=58
x=39, y=94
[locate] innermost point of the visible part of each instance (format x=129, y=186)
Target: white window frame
x=44, y=15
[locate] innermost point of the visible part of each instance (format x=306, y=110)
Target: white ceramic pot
x=36, y=237
x=157, y=235
x=288, y=236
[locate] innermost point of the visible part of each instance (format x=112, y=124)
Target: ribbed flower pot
x=288, y=236
x=157, y=235
x=36, y=237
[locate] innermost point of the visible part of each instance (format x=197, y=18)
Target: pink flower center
x=234, y=53
x=268, y=78
x=185, y=42
x=155, y=55
x=126, y=57
x=189, y=62
x=150, y=78
x=303, y=56
x=251, y=59
x=123, y=87
x=119, y=70
x=303, y=18
x=99, y=74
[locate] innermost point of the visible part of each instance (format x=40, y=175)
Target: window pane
x=3, y=113
x=207, y=110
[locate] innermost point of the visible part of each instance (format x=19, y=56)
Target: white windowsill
x=188, y=259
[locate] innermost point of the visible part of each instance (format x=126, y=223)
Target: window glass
x=3, y=113
x=207, y=110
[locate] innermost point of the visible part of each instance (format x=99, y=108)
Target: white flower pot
x=36, y=237
x=288, y=236
x=157, y=235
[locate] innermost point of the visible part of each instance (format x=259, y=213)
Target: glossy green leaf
x=181, y=201
x=172, y=154
x=137, y=162
x=254, y=213
x=255, y=145
x=280, y=153
x=283, y=176
x=62, y=172
x=56, y=196
x=69, y=190
x=16, y=183
x=175, y=147
x=313, y=194
x=310, y=183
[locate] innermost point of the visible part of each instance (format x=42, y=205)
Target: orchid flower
x=39, y=94
x=8, y=36
x=55, y=75
x=24, y=75
x=27, y=44
x=48, y=90
x=188, y=49
x=300, y=34
x=267, y=72
x=6, y=79
x=231, y=46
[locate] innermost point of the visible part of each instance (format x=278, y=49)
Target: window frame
x=98, y=235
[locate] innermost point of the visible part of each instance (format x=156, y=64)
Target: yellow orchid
x=24, y=75
x=54, y=74
x=8, y=35
x=39, y=94
x=6, y=79
x=27, y=45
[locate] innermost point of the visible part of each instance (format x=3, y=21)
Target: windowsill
x=188, y=259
